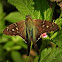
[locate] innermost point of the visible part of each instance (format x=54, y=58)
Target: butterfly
x=30, y=30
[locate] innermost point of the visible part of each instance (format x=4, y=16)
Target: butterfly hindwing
x=16, y=29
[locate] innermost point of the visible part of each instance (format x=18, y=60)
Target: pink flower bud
x=44, y=35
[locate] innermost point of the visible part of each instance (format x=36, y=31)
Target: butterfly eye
x=27, y=16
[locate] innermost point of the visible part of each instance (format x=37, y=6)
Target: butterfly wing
x=43, y=26
x=16, y=29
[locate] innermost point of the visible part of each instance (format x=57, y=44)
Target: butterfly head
x=28, y=17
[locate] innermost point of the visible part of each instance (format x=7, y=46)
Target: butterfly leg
x=28, y=50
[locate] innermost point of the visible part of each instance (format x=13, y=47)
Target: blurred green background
x=13, y=48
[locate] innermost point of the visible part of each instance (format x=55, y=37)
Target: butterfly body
x=30, y=30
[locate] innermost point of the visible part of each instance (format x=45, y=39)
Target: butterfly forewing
x=16, y=29
x=43, y=26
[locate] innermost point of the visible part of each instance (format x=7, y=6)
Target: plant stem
x=27, y=59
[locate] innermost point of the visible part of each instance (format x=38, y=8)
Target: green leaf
x=19, y=41
x=59, y=20
x=16, y=56
x=16, y=39
x=24, y=6
x=22, y=44
x=51, y=55
x=4, y=38
x=54, y=35
x=2, y=54
x=1, y=8
x=36, y=9
x=2, y=14
x=57, y=36
x=14, y=17
x=59, y=44
x=16, y=47
x=44, y=11
x=8, y=46
x=1, y=24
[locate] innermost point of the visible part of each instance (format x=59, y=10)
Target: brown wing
x=43, y=26
x=16, y=29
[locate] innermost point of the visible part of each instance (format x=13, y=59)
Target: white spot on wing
x=43, y=25
x=47, y=26
x=16, y=28
x=7, y=28
x=15, y=24
x=53, y=24
x=13, y=30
